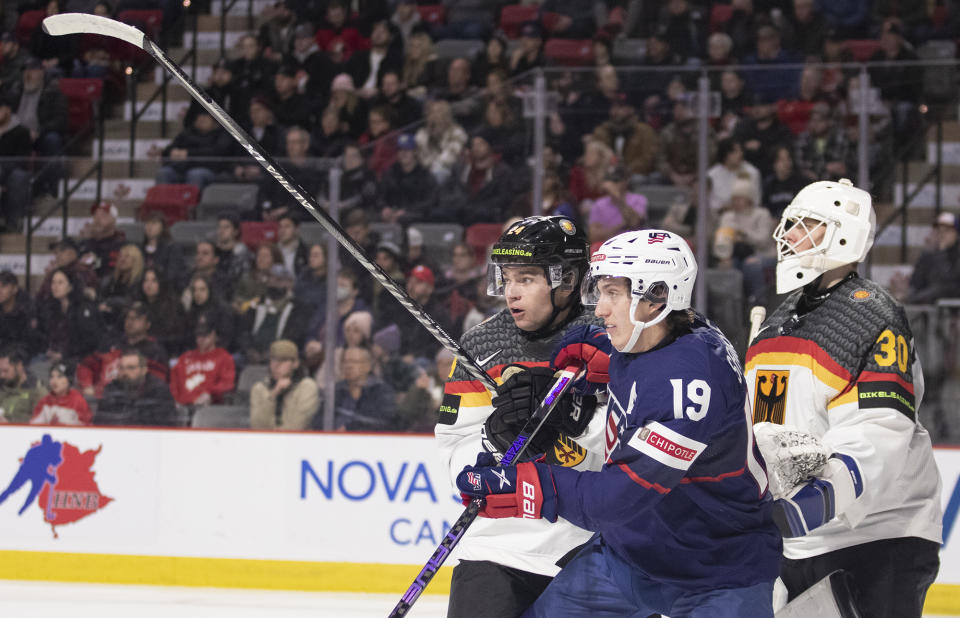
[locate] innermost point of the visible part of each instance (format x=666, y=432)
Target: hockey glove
x=792, y=456
x=820, y=499
x=519, y=397
x=590, y=347
x=525, y=490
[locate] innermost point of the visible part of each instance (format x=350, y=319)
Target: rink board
x=296, y=511
x=303, y=511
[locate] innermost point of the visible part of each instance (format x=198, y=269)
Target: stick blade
x=82, y=23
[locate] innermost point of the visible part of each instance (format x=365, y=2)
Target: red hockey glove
x=525, y=490
x=590, y=347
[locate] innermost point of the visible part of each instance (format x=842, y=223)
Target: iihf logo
x=657, y=237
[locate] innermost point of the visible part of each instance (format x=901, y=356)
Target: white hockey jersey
x=532, y=545
x=847, y=372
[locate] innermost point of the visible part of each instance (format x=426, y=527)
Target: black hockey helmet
x=557, y=245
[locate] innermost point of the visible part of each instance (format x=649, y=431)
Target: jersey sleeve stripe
x=462, y=387
x=713, y=479
x=849, y=396
x=875, y=376
x=657, y=487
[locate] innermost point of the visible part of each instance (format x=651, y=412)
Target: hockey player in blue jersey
x=680, y=507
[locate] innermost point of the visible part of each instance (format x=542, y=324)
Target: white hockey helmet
x=659, y=265
x=846, y=215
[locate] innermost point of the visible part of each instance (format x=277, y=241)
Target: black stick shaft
x=78, y=24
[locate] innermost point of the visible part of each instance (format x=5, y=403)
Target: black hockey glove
x=518, y=398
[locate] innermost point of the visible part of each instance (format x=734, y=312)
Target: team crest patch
x=567, y=453
x=771, y=395
x=568, y=227
x=860, y=295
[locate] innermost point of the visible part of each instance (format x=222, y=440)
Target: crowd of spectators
x=146, y=332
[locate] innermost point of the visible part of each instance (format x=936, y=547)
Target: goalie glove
x=792, y=456
x=525, y=490
x=820, y=499
x=518, y=397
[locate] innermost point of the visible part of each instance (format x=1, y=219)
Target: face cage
x=656, y=293
x=785, y=248
x=495, y=284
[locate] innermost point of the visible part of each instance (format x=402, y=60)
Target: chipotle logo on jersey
x=666, y=445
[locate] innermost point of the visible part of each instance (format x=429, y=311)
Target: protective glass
x=497, y=281
x=590, y=289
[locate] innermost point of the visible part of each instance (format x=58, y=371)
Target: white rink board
x=248, y=495
x=315, y=497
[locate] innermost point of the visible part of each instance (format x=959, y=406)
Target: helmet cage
x=799, y=217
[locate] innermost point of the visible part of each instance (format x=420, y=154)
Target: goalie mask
x=556, y=244
x=659, y=266
x=836, y=227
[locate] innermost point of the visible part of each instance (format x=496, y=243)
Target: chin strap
x=638, y=326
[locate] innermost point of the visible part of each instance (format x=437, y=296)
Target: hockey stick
x=560, y=386
x=82, y=23
x=757, y=315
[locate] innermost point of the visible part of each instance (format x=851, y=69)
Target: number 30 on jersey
x=696, y=392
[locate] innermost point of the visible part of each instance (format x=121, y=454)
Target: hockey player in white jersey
x=537, y=265
x=835, y=385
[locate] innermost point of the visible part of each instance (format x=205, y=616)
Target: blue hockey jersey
x=682, y=495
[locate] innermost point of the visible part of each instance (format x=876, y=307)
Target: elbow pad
x=820, y=499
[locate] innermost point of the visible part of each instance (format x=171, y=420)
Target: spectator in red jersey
x=99, y=369
x=336, y=36
x=205, y=374
x=102, y=239
x=64, y=405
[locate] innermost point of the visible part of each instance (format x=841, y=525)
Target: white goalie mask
x=660, y=268
x=837, y=225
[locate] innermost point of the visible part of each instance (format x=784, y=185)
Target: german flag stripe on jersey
x=793, y=351
x=471, y=393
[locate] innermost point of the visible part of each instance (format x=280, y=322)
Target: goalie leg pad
x=831, y=597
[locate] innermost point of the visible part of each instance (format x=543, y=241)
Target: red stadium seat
x=28, y=22
x=795, y=114
x=174, y=202
x=81, y=95
x=862, y=49
x=481, y=237
x=569, y=52
x=512, y=17
x=432, y=14
x=147, y=20
x=255, y=233
x=720, y=14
